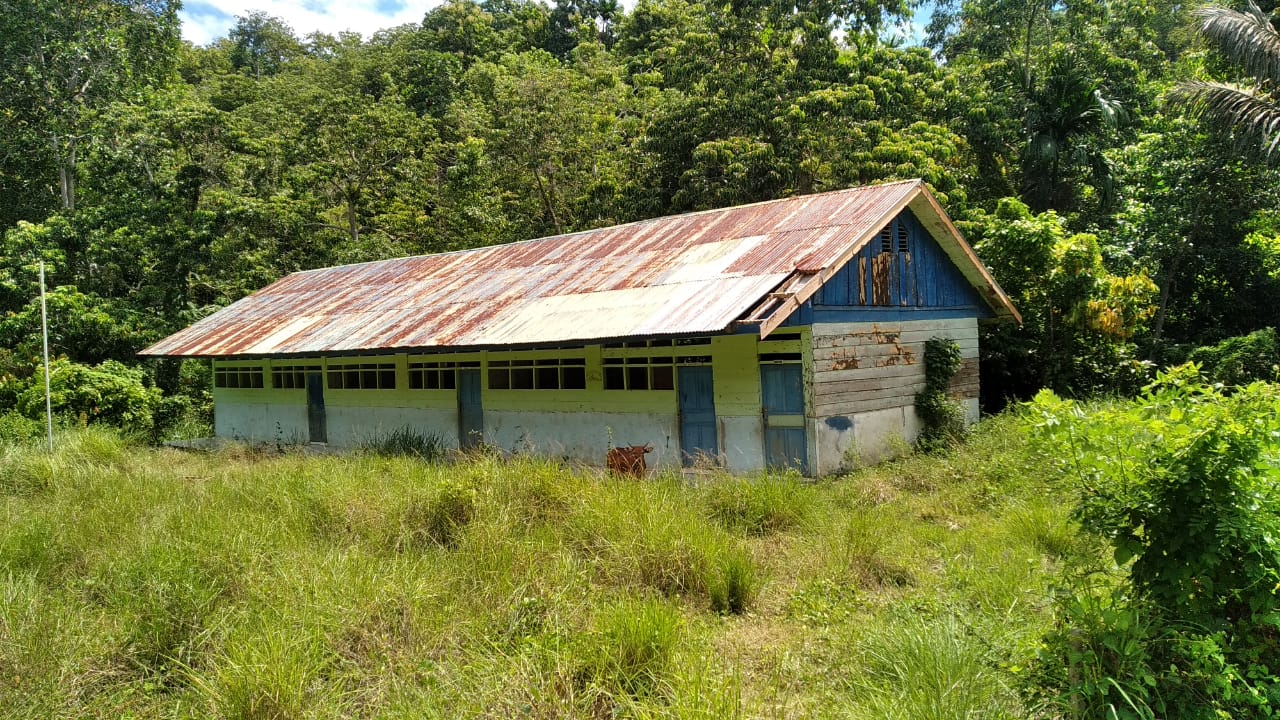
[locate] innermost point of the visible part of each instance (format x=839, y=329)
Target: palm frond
x=1247, y=38
x=1255, y=120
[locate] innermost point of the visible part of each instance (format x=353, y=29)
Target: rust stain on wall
x=845, y=363
x=880, y=266
x=862, y=280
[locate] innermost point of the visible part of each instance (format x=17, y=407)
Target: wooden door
x=470, y=410
x=698, y=437
x=782, y=393
x=317, y=432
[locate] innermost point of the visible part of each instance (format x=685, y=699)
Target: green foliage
x=17, y=428
x=108, y=393
x=942, y=420
x=1182, y=482
x=1241, y=360
x=1079, y=320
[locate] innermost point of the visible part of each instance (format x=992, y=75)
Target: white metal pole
x=44, y=329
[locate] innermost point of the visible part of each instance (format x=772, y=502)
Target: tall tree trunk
x=547, y=202
x=66, y=157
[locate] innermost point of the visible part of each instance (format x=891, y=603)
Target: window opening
x=886, y=238
x=437, y=375
x=539, y=374
x=640, y=373
x=362, y=376
x=238, y=377
x=291, y=377
x=903, y=238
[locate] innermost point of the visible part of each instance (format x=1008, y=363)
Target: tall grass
x=148, y=583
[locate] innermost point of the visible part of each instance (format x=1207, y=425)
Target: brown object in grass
x=628, y=460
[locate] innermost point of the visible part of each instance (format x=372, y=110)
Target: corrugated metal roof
x=694, y=273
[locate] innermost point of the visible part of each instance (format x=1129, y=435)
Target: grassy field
x=140, y=583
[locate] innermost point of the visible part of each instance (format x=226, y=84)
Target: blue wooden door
x=316, y=430
x=470, y=411
x=782, y=391
x=697, y=415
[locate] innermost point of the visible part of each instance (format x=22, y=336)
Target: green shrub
x=16, y=428
x=1241, y=360
x=942, y=420
x=1182, y=482
x=760, y=506
x=110, y=393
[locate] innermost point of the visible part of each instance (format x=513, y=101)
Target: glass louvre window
x=238, y=377
x=436, y=375
x=639, y=373
x=362, y=376
x=538, y=374
x=291, y=377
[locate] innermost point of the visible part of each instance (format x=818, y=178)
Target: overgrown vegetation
x=1184, y=483
x=942, y=420
x=246, y=584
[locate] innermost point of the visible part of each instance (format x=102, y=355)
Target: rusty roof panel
x=694, y=273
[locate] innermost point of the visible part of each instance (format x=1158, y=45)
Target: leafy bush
x=1241, y=360
x=15, y=428
x=110, y=393
x=1183, y=482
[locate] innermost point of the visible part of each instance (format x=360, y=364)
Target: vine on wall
x=941, y=418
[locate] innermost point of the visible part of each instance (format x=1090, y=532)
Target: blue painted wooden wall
x=901, y=272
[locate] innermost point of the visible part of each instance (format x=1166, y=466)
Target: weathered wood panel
x=863, y=367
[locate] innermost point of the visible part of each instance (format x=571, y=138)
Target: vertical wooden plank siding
x=923, y=276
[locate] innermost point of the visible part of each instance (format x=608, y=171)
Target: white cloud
x=206, y=20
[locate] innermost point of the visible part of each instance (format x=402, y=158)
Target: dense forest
x=1109, y=549
x=1079, y=144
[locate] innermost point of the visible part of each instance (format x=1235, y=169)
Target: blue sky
x=206, y=20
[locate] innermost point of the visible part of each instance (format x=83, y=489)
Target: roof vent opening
x=904, y=237
x=886, y=238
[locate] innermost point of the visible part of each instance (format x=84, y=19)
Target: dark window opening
x=363, y=376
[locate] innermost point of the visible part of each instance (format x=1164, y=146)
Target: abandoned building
x=783, y=333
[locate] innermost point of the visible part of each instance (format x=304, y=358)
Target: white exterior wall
x=238, y=418
x=352, y=426
x=865, y=378
x=585, y=436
